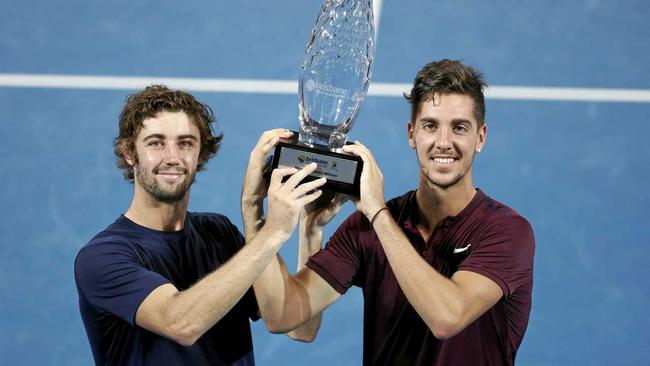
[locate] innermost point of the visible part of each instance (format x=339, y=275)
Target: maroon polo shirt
x=486, y=237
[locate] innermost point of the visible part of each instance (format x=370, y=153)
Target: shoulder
x=115, y=239
x=209, y=219
x=103, y=255
x=103, y=252
x=116, y=243
x=502, y=245
x=213, y=222
x=503, y=224
x=501, y=215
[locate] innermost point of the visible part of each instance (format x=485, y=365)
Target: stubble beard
x=149, y=183
x=444, y=185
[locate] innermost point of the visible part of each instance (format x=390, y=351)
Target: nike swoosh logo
x=460, y=250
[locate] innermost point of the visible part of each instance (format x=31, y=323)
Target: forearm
x=436, y=298
x=252, y=210
x=310, y=241
x=195, y=310
x=283, y=300
x=271, y=285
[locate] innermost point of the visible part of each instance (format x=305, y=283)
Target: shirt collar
x=409, y=213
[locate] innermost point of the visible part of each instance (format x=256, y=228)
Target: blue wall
x=577, y=170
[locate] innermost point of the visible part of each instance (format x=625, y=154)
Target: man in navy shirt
x=163, y=286
x=446, y=271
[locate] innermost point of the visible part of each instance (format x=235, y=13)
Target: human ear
x=129, y=154
x=482, y=136
x=409, y=132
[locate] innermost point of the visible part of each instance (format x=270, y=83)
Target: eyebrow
x=161, y=136
x=191, y=137
x=461, y=120
x=454, y=121
x=154, y=136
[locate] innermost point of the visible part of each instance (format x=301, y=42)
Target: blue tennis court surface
x=576, y=169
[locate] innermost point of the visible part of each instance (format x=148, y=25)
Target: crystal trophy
x=334, y=79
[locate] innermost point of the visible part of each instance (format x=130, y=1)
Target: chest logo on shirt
x=460, y=250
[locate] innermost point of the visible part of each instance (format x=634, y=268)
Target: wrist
x=273, y=235
x=377, y=212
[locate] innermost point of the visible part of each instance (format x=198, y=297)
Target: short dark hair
x=147, y=104
x=448, y=77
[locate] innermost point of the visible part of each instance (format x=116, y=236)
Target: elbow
x=280, y=325
x=185, y=340
x=301, y=337
x=296, y=331
x=275, y=322
x=274, y=326
x=274, y=329
x=184, y=334
x=445, y=329
x=443, y=333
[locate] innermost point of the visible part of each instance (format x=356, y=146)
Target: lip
x=443, y=159
x=170, y=176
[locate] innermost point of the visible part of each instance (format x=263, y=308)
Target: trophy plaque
x=334, y=79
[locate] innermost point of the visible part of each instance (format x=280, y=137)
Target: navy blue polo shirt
x=124, y=263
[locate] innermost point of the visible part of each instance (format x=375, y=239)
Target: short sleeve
x=111, y=278
x=339, y=262
x=504, y=254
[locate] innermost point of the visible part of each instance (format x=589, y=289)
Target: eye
x=186, y=144
x=428, y=126
x=461, y=129
x=155, y=143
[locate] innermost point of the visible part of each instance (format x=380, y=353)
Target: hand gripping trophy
x=334, y=79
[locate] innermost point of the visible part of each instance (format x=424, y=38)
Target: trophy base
x=343, y=171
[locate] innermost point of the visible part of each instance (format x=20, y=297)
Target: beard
x=448, y=183
x=157, y=192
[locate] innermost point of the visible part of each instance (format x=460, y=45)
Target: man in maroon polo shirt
x=446, y=271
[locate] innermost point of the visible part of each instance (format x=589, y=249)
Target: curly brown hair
x=448, y=77
x=147, y=104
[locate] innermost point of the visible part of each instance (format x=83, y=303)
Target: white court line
x=537, y=93
x=139, y=82
x=262, y=86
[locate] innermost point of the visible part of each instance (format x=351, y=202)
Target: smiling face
x=446, y=135
x=167, y=152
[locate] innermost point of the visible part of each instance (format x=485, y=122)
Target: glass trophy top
x=335, y=72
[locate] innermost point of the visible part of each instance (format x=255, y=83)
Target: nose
x=443, y=141
x=171, y=155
